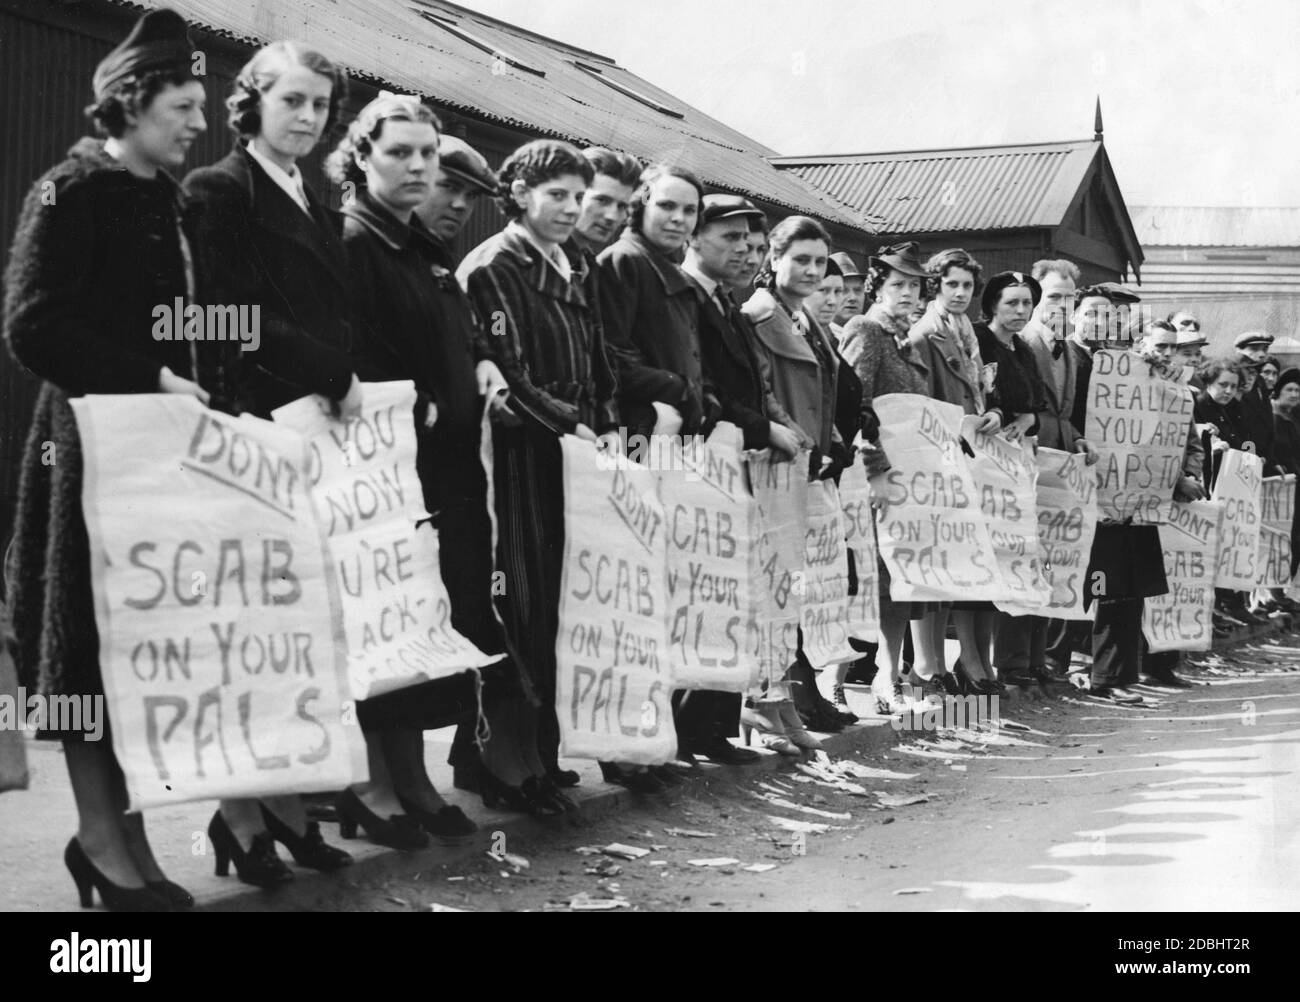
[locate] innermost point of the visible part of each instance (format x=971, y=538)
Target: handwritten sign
x=930, y=529
x=614, y=682
x=1277, y=503
x=824, y=614
x=1139, y=423
x=222, y=668
x=396, y=610
x=711, y=523
x=1006, y=476
x=860, y=537
x=1181, y=619
x=1067, y=522
x=1239, y=486
x=1277, y=510
x=778, y=558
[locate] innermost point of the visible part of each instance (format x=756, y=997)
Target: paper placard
x=1181, y=619
x=824, y=610
x=1239, y=485
x=860, y=537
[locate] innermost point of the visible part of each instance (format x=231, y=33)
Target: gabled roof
x=489, y=69
x=940, y=191
x=1208, y=226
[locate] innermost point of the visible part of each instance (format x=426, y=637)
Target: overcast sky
x=1200, y=98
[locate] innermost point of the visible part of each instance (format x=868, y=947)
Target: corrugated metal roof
x=1208, y=226
x=525, y=80
x=936, y=191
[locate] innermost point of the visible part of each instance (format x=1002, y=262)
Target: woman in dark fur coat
x=99, y=243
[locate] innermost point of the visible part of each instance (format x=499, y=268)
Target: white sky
x=1200, y=98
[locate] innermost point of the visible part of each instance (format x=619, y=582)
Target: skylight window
x=483, y=46
x=626, y=91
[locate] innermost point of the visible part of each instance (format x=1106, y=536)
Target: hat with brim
x=848, y=267
x=1290, y=376
x=904, y=257
x=160, y=40
x=1113, y=291
x=462, y=161
x=992, y=293
x=1190, y=339
x=718, y=206
x=1253, y=338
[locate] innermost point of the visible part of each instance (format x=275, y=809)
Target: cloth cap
x=718, y=206
x=1113, y=291
x=1189, y=339
x=1252, y=337
x=458, y=157
x=848, y=268
x=160, y=40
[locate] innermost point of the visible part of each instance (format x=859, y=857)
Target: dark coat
x=96, y=249
x=882, y=367
x=1286, y=440
x=257, y=246
x=1017, y=388
x=804, y=389
x=732, y=368
x=544, y=334
x=414, y=322
x=1256, y=408
x=649, y=308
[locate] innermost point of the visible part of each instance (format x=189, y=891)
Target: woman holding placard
x=265, y=238
x=101, y=239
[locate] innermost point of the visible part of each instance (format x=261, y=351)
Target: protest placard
x=1240, y=486
x=218, y=623
x=860, y=537
x=1277, y=506
x=778, y=488
x=1181, y=619
x=711, y=523
x=614, y=682
x=1006, y=476
x=363, y=482
x=1067, y=522
x=930, y=530
x=824, y=606
x=1138, y=421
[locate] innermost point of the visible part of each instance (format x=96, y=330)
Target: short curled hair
x=788, y=231
x=341, y=165
x=622, y=167
x=536, y=163
x=132, y=95
x=1210, y=370
x=642, y=195
x=261, y=72
x=876, y=279
x=939, y=264
x=1062, y=267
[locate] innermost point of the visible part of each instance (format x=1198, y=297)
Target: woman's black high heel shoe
x=87, y=877
x=309, y=849
x=175, y=895
x=449, y=824
x=259, y=866
x=398, y=832
x=562, y=777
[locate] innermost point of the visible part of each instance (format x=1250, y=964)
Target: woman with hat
x=100, y=240
x=1269, y=370
x=414, y=322
x=886, y=361
x=265, y=238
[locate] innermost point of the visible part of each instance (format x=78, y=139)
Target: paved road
x=1193, y=805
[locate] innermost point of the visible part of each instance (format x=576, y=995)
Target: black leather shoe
x=563, y=777
x=308, y=849
x=448, y=824
x=630, y=779
x=88, y=878
x=722, y=751
x=398, y=832
x=259, y=865
x=1167, y=679
x=178, y=897
x=665, y=775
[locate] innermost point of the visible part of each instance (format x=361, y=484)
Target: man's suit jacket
x=732, y=368
x=1062, y=423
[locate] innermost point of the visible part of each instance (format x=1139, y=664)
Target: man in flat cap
x=1254, y=399
x=463, y=178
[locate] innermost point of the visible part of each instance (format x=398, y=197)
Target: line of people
x=617, y=297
